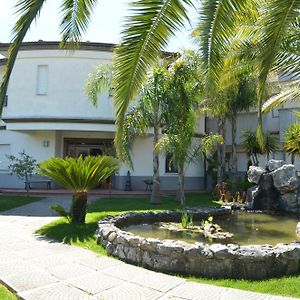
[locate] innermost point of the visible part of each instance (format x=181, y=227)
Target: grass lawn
x=83, y=236
x=8, y=202
x=5, y=294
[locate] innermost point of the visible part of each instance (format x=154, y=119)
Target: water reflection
x=247, y=228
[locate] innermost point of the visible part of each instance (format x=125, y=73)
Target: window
x=5, y=101
x=171, y=165
x=42, y=80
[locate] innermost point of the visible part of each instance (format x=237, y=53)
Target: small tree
x=252, y=146
x=22, y=166
x=79, y=175
x=292, y=141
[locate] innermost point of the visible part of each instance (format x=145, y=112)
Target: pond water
x=247, y=229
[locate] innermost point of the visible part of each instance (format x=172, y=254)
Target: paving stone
x=50, y=260
x=8, y=257
x=158, y=281
x=32, y=252
x=68, y=271
x=26, y=281
x=55, y=292
x=95, y=282
x=191, y=290
x=12, y=268
x=99, y=262
x=125, y=272
x=129, y=291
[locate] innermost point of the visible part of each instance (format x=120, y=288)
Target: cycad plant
x=79, y=175
x=292, y=140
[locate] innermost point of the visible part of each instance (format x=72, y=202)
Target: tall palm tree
x=149, y=112
x=79, y=175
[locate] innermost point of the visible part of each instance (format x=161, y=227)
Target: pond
x=247, y=229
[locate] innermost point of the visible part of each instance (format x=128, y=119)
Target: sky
x=105, y=26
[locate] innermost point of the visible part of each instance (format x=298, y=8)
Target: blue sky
x=105, y=27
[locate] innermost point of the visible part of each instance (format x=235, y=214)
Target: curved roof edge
x=45, y=45
x=53, y=45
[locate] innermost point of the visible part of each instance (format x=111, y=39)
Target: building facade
x=47, y=114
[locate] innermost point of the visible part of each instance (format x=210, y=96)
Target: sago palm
x=292, y=140
x=79, y=175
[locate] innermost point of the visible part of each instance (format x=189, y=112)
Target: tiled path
x=40, y=269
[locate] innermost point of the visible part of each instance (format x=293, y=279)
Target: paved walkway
x=37, y=268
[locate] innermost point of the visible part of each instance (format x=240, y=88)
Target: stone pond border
x=215, y=261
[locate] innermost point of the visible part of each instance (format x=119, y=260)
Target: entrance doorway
x=84, y=147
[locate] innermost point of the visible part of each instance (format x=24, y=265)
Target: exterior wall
x=276, y=122
x=65, y=97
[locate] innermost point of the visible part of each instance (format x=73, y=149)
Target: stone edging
x=216, y=260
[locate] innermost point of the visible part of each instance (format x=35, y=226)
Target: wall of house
x=65, y=98
x=12, y=142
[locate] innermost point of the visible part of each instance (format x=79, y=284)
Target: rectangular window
x=4, y=161
x=42, y=80
x=171, y=165
x=5, y=101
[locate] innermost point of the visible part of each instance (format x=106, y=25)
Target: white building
x=47, y=114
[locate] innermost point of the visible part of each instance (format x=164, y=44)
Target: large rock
x=285, y=179
x=288, y=202
x=254, y=173
x=274, y=164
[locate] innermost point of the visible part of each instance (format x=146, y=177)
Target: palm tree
x=79, y=175
x=151, y=24
x=150, y=112
x=251, y=144
x=292, y=140
x=241, y=97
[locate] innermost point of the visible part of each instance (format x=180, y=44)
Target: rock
x=274, y=164
x=254, y=174
x=288, y=202
x=285, y=179
x=298, y=229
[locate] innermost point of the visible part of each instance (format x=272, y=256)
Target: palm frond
x=146, y=33
x=75, y=19
x=290, y=93
x=80, y=174
x=218, y=18
x=276, y=17
x=29, y=10
x=98, y=81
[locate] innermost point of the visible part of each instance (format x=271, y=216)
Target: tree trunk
x=78, y=207
x=180, y=195
x=221, y=151
x=234, y=154
x=155, y=195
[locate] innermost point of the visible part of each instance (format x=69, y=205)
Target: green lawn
x=5, y=294
x=83, y=236
x=9, y=202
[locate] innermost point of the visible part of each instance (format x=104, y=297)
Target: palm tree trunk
x=180, y=195
x=234, y=153
x=155, y=195
x=78, y=207
x=221, y=151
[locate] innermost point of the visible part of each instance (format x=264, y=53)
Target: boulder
x=285, y=179
x=274, y=164
x=254, y=173
x=288, y=202
x=298, y=229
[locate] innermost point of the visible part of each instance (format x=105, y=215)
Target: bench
x=28, y=184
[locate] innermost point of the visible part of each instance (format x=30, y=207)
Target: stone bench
x=46, y=182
